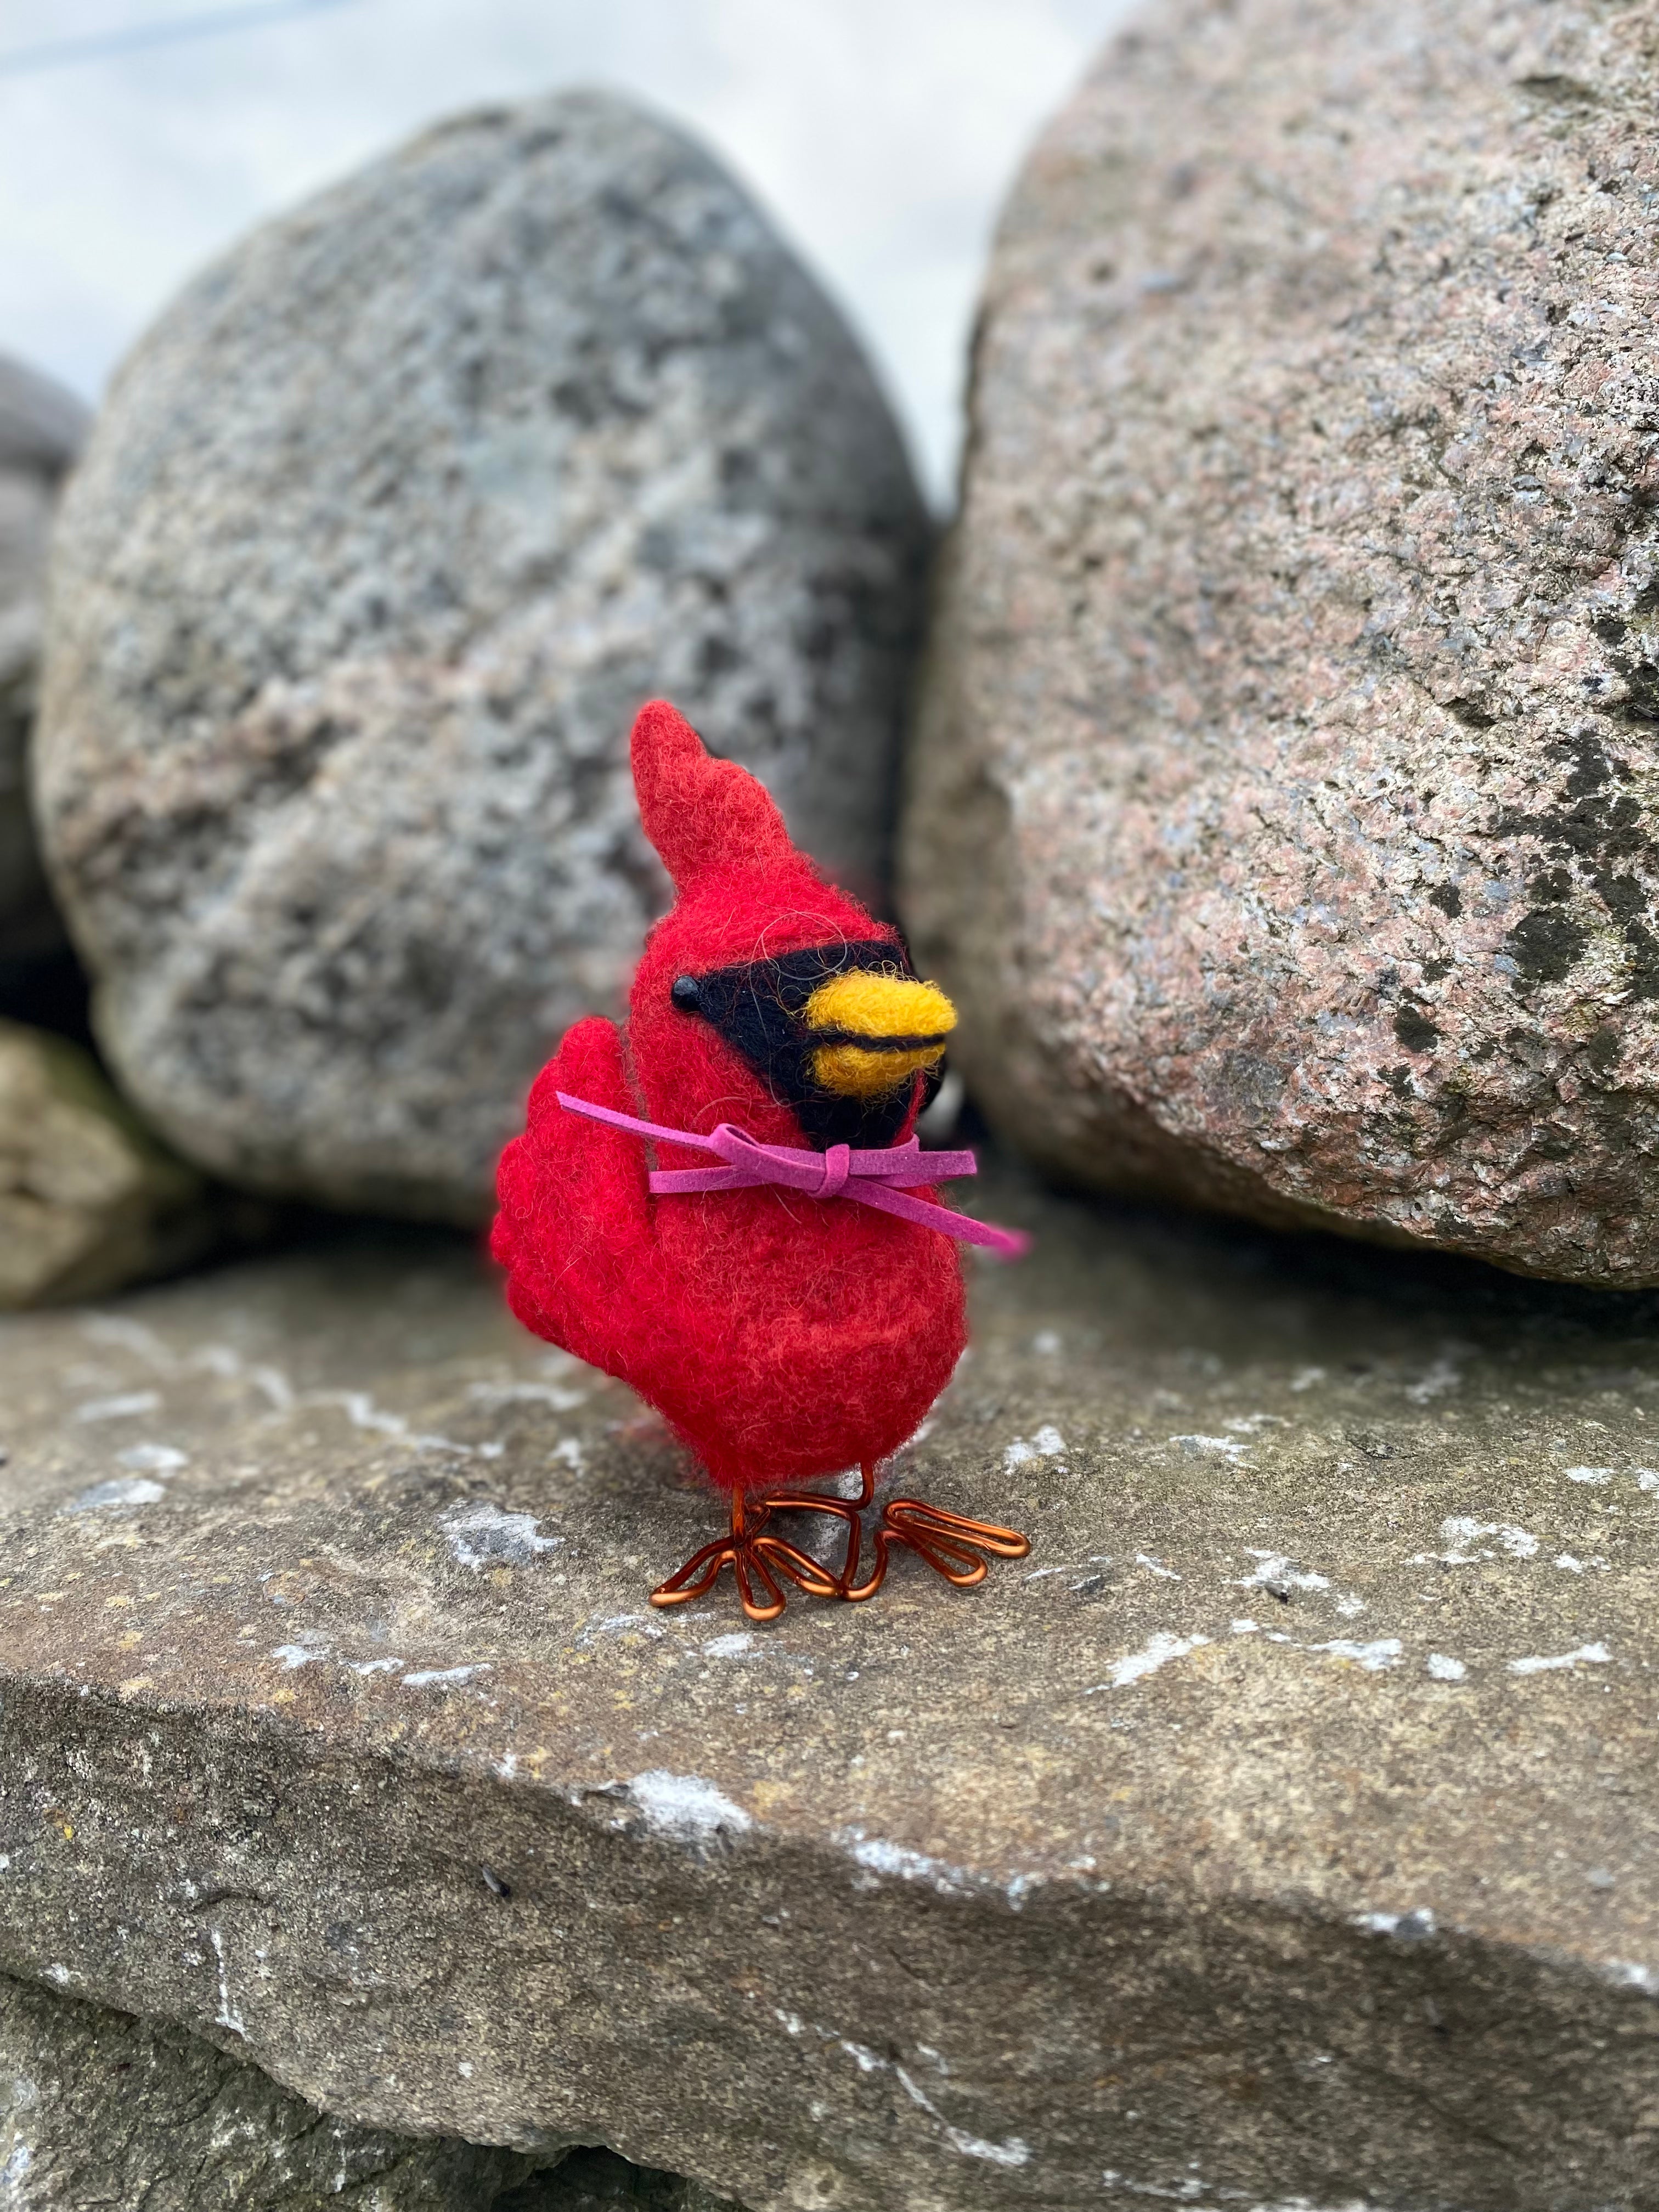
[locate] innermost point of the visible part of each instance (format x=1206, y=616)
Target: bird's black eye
x=685, y=994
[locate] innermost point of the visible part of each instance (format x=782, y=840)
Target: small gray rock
x=42, y=428
x=1285, y=814
x=386, y=529
x=88, y=1201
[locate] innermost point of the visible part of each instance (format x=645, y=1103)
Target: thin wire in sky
x=101, y=45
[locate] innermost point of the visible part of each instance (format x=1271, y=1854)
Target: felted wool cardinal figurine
x=784, y=1285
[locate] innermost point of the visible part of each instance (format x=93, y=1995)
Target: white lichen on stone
x=685, y=1807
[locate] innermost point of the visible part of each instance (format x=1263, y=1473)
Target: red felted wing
x=573, y=1231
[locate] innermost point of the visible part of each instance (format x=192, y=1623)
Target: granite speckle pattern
x=1283, y=815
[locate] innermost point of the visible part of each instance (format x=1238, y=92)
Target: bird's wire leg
x=846, y=1509
x=758, y=1556
x=955, y=1547
x=950, y=1543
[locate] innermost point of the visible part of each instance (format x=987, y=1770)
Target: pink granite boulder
x=1283, y=812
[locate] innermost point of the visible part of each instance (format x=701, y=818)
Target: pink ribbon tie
x=867, y=1177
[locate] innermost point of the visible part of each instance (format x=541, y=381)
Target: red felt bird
x=770, y=1278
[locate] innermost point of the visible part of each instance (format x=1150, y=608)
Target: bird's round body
x=783, y=1337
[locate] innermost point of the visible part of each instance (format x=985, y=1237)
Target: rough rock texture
x=1287, y=1824
x=1285, y=810
x=42, y=430
x=386, y=530
x=88, y=1200
x=98, y=2109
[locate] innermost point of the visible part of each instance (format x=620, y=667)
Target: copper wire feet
x=758, y=1556
x=952, y=1545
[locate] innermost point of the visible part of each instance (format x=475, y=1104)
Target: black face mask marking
x=759, y=1007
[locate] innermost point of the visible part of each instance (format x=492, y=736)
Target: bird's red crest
x=700, y=813
x=743, y=890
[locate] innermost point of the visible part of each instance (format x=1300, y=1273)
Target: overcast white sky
x=881, y=134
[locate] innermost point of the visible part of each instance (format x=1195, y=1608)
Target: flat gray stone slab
x=1282, y=1825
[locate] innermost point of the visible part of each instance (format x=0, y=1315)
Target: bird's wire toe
x=699, y=1573
x=952, y=1544
x=750, y=1567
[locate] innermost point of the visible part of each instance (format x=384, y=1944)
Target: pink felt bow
x=840, y=1172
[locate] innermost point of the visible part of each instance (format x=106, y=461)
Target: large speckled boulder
x=41, y=429
x=388, y=528
x=1284, y=817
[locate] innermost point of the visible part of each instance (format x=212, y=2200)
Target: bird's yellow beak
x=877, y=1031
